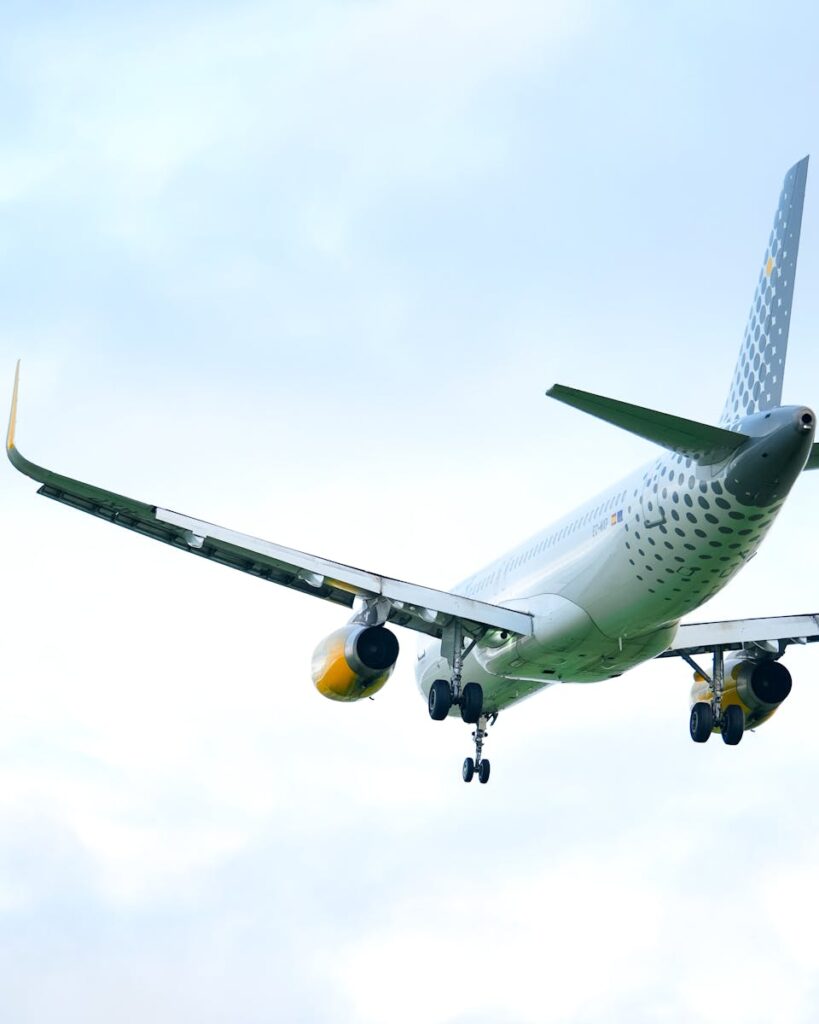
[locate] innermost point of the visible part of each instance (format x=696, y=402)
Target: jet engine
x=354, y=662
x=758, y=687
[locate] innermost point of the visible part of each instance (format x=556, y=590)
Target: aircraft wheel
x=468, y=770
x=471, y=703
x=483, y=772
x=440, y=700
x=733, y=724
x=701, y=723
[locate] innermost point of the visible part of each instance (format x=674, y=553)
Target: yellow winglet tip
x=13, y=415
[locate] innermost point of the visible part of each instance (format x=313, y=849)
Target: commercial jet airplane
x=597, y=592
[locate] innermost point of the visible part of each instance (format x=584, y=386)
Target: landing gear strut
x=706, y=714
x=443, y=694
x=469, y=698
x=479, y=763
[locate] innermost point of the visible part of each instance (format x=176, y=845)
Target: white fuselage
x=608, y=584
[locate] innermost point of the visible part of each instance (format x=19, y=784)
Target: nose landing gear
x=479, y=763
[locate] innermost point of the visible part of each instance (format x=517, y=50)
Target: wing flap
x=316, y=574
x=420, y=608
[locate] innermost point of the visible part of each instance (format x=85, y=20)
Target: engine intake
x=762, y=685
x=759, y=687
x=354, y=662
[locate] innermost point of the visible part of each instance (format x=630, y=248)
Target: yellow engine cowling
x=758, y=687
x=354, y=662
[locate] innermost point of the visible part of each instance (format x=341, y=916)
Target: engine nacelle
x=762, y=685
x=354, y=662
x=758, y=687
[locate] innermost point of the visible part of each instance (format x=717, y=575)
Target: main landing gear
x=441, y=699
x=443, y=694
x=705, y=715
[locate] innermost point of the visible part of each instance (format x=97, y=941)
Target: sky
x=306, y=270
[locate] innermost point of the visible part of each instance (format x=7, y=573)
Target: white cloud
x=509, y=945
x=124, y=110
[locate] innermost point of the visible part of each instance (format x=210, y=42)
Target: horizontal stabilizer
x=699, y=441
x=813, y=458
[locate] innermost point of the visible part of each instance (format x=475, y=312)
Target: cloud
x=535, y=929
x=132, y=101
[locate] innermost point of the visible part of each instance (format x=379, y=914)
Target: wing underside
x=736, y=634
x=423, y=609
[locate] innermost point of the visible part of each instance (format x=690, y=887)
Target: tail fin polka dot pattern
x=757, y=383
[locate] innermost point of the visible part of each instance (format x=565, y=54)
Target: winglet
x=15, y=458
x=13, y=415
x=64, y=488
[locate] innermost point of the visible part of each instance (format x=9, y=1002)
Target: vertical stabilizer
x=757, y=383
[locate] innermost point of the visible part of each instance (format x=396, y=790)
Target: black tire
x=701, y=723
x=483, y=772
x=471, y=703
x=733, y=724
x=468, y=770
x=440, y=700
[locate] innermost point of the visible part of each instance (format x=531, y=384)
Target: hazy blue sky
x=305, y=270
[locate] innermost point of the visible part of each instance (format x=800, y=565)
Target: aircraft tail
x=757, y=381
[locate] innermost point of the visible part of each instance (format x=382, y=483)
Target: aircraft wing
x=781, y=630
x=416, y=607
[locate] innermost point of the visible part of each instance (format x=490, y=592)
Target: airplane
x=593, y=595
